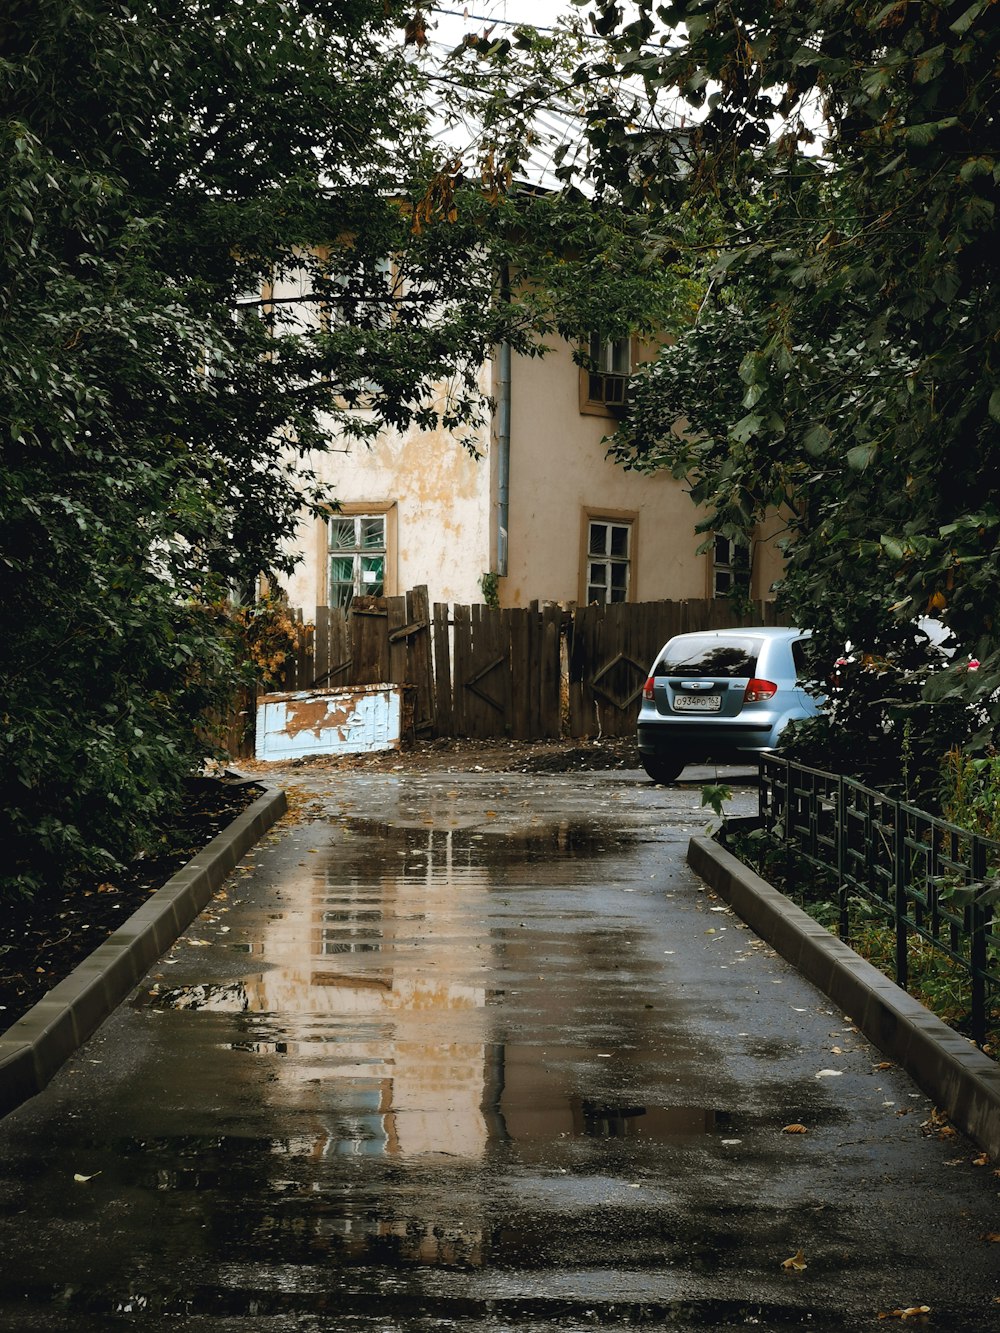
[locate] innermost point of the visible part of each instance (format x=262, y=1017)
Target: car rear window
x=707, y=655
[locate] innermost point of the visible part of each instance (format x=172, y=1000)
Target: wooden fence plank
x=321, y=663
x=398, y=663
x=369, y=641
x=549, y=694
x=461, y=656
x=419, y=659
x=520, y=702
x=443, y=716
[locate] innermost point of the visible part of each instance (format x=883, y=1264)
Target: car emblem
x=696, y=684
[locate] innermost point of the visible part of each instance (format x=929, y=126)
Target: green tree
x=172, y=166
x=844, y=163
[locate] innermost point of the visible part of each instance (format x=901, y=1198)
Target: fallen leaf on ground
x=908, y=1313
x=796, y=1263
x=981, y=1160
x=829, y=1073
x=795, y=1129
x=993, y=1237
x=82, y=1180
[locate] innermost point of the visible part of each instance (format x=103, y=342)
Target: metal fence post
x=977, y=945
x=899, y=882
x=843, y=924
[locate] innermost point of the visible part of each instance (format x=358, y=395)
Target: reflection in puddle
x=372, y=998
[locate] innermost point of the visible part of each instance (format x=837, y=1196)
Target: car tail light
x=757, y=690
x=647, y=689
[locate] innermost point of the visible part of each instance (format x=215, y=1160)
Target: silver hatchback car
x=722, y=694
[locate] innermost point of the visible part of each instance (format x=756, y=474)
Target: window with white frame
x=357, y=555
x=730, y=567
x=609, y=560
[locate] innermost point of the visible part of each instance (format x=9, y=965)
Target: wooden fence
x=533, y=673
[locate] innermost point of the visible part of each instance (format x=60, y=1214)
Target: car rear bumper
x=678, y=735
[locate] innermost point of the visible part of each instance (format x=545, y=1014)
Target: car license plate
x=697, y=703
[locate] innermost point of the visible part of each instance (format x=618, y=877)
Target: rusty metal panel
x=355, y=719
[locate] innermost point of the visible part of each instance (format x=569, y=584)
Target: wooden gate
x=505, y=672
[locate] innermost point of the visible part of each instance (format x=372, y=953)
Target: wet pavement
x=477, y=1052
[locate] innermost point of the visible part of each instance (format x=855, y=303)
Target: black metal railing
x=922, y=875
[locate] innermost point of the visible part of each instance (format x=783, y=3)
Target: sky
x=451, y=23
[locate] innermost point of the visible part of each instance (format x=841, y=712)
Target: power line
x=481, y=18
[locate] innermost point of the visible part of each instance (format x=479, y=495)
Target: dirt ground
x=476, y=756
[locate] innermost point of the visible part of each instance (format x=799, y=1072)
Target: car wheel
x=663, y=769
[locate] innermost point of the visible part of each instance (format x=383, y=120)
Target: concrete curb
x=37, y=1045
x=960, y=1079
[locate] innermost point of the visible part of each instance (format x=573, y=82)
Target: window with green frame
x=356, y=545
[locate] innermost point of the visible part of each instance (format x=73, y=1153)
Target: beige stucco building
x=541, y=508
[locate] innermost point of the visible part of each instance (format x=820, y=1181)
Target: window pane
x=372, y=574
x=619, y=539
x=341, y=594
x=619, y=577
x=619, y=356
x=342, y=534
x=598, y=539
x=599, y=575
x=372, y=533
x=596, y=594
x=617, y=595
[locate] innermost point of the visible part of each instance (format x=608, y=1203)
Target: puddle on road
x=374, y=995
x=469, y=845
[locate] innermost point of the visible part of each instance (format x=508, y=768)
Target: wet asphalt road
x=478, y=1052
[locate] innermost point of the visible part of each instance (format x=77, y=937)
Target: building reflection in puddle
x=376, y=996
x=380, y=985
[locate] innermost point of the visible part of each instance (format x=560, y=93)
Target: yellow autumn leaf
x=795, y=1129
x=796, y=1263
x=908, y=1313
x=993, y=1237
x=82, y=1180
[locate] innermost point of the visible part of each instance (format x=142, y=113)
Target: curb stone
x=956, y=1075
x=34, y=1048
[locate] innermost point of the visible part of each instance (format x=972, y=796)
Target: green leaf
x=746, y=427
x=860, y=457
x=965, y=21
x=817, y=440
x=925, y=133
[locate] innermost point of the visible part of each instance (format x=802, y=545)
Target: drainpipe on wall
x=503, y=437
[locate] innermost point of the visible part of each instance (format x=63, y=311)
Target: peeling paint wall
x=440, y=496
x=357, y=720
